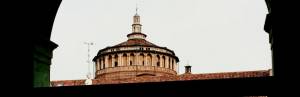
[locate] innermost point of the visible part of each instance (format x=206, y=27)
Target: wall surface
x=183, y=77
x=42, y=46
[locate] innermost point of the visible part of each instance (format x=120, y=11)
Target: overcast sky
x=212, y=35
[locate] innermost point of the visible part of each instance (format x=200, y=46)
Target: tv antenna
x=136, y=8
x=136, y=5
x=88, y=60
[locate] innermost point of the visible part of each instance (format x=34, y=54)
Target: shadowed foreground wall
x=42, y=46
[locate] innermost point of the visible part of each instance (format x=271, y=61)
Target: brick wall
x=67, y=82
x=183, y=77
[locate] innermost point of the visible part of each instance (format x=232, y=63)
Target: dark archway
x=268, y=29
x=42, y=45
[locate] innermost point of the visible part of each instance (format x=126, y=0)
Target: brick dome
x=135, y=57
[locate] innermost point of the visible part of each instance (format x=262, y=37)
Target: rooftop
x=182, y=77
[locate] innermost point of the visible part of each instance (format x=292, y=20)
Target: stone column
x=102, y=62
x=106, y=61
x=112, y=60
x=172, y=63
x=120, y=63
x=98, y=64
x=139, y=59
x=152, y=59
x=176, y=64
x=128, y=59
x=167, y=62
x=135, y=59
x=160, y=62
x=145, y=60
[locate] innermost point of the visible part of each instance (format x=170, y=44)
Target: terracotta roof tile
x=132, y=42
x=183, y=77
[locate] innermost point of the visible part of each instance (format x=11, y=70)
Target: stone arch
x=116, y=58
x=158, y=61
x=45, y=36
x=149, y=60
x=169, y=62
x=103, y=62
x=163, y=61
x=131, y=59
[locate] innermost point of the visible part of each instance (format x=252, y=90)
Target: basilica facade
x=135, y=57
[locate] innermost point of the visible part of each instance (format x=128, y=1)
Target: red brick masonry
x=183, y=77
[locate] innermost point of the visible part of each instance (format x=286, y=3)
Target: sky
x=210, y=35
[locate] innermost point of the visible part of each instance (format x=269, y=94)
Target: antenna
x=88, y=60
x=136, y=8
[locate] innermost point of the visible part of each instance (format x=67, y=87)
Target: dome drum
x=135, y=57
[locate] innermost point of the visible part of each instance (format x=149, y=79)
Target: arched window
x=141, y=59
x=149, y=60
x=131, y=59
x=99, y=64
x=103, y=62
x=163, y=61
x=172, y=64
x=116, y=64
x=116, y=58
x=109, y=61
